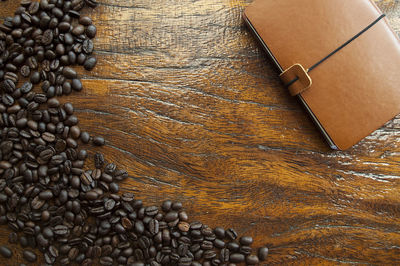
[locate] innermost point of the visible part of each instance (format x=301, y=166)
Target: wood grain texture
x=194, y=111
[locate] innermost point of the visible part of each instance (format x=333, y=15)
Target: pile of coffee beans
x=47, y=198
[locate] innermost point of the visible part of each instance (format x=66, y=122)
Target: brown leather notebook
x=339, y=57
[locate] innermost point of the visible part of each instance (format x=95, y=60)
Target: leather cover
x=355, y=91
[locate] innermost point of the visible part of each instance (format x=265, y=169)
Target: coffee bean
x=171, y=216
x=246, y=250
x=90, y=63
x=60, y=50
x=87, y=46
x=128, y=197
x=75, y=132
x=98, y=141
x=177, y=206
x=19, y=60
x=98, y=160
x=29, y=256
x=61, y=230
x=246, y=240
x=184, y=226
x=37, y=203
x=263, y=253
x=8, y=100
x=76, y=85
x=81, y=58
x=48, y=233
x=106, y=261
x=109, y=204
x=47, y=37
x=167, y=205
x=57, y=12
x=69, y=73
x=48, y=137
x=154, y=226
x=84, y=20
x=233, y=246
x=35, y=77
x=151, y=211
x=91, y=31
x=64, y=26
x=231, y=234
x=237, y=258
x=68, y=39
x=85, y=137
x=5, y=252
x=91, y=195
x=252, y=260
x=46, y=195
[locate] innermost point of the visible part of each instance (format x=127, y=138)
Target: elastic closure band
x=290, y=83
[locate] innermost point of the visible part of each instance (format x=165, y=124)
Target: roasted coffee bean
x=84, y=20
x=98, y=160
x=29, y=255
x=91, y=31
x=90, y=63
x=219, y=232
x=46, y=195
x=78, y=30
x=5, y=252
x=69, y=73
x=37, y=203
x=85, y=137
x=246, y=240
x=252, y=260
x=98, y=141
x=151, y=211
x=166, y=205
x=237, y=258
x=47, y=37
x=60, y=50
x=87, y=46
x=246, y=250
x=61, y=230
x=109, y=204
x=35, y=77
x=8, y=100
x=263, y=253
x=231, y=234
x=76, y=84
x=106, y=261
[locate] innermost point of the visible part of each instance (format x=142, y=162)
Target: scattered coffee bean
x=98, y=141
x=5, y=252
x=252, y=260
x=91, y=31
x=263, y=253
x=29, y=255
x=90, y=63
x=246, y=240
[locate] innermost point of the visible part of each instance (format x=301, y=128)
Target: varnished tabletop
x=193, y=110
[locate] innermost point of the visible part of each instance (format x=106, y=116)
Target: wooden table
x=192, y=108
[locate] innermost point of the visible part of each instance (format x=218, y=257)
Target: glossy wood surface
x=193, y=110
